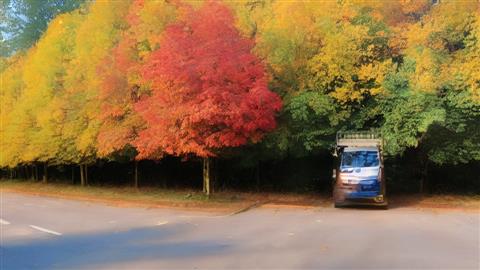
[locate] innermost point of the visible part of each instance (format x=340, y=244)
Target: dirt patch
x=439, y=202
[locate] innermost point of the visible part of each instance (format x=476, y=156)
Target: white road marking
x=319, y=220
x=4, y=222
x=45, y=230
x=291, y=234
x=160, y=223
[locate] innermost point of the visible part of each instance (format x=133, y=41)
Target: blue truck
x=359, y=177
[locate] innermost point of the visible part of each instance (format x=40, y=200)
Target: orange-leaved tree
x=208, y=90
x=120, y=87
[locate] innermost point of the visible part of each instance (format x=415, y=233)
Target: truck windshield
x=360, y=159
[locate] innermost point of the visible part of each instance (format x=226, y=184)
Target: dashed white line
x=45, y=230
x=4, y=222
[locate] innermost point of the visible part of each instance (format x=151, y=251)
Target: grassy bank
x=224, y=201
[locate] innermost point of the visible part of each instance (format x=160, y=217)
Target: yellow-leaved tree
x=12, y=116
x=94, y=39
x=43, y=98
x=326, y=58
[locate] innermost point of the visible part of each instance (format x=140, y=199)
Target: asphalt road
x=47, y=233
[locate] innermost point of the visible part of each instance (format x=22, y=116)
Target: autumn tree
x=208, y=90
x=328, y=60
x=44, y=77
x=99, y=32
x=114, y=79
x=12, y=135
x=120, y=84
x=431, y=103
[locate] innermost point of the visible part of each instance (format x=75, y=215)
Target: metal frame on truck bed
x=359, y=139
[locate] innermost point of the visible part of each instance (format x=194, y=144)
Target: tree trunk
x=73, y=175
x=82, y=177
x=204, y=185
x=32, y=172
x=36, y=173
x=424, y=178
x=27, y=174
x=214, y=175
x=136, y=174
x=257, y=175
x=206, y=176
x=85, y=167
x=45, y=172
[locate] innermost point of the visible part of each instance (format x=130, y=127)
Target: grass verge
x=150, y=197
x=223, y=201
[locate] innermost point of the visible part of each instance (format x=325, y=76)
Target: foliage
x=95, y=38
x=140, y=79
x=25, y=21
x=433, y=97
x=121, y=87
x=12, y=135
x=208, y=90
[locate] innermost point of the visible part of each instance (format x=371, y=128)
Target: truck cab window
x=360, y=159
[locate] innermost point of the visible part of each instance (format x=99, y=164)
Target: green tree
x=328, y=72
x=25, y=21
x=432, y=100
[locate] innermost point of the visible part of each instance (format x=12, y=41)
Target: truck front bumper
x=344, y=197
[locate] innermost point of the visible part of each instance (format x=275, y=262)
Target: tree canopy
x=208, y=90
x=140, y=79
x=25, y=21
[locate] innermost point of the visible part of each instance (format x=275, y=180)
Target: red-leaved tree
x=118, y=94
x=209, y=91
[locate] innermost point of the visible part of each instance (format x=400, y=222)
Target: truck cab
x=359, y=173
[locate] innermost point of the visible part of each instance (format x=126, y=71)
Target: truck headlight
x=342, y=179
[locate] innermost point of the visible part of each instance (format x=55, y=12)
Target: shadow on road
x=103, y=249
